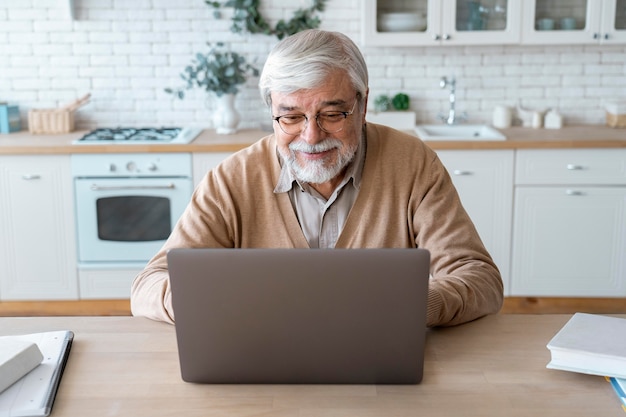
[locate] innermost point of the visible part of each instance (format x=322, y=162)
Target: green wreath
x=248, y=18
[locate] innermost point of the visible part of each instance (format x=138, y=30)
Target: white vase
x=226, y=117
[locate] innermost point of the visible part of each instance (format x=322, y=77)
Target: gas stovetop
x=132, y=135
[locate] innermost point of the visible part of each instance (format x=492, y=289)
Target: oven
x=127, y=204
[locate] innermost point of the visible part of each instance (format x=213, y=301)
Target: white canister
x=553, y=120
x=537, y=120
x=502, y=117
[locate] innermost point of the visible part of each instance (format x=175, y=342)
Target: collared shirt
x=322, y=220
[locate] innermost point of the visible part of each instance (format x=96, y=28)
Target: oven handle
x=96, y=187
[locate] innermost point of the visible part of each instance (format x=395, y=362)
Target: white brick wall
x=125, y=52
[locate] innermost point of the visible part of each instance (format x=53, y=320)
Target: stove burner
x=139, y=135
x=133, y=134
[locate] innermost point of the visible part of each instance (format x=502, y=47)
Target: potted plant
x=219, y=71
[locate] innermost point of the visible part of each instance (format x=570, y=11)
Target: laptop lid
x=328, y=316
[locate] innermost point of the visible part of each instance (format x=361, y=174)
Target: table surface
x=495, y=366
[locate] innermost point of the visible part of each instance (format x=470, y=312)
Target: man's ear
x=367, y=92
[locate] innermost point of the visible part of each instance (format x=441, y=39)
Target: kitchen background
x=126, y=52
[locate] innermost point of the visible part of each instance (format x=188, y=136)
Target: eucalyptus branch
x=219, y=70
x=248, y=18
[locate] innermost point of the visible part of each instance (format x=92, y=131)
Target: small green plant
x=219, y=71
x=400, y=101
x=382, y=103
x=248, y=18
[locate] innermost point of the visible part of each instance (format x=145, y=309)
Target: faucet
x=452, y=118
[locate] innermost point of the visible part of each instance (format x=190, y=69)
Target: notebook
x=300, y=316
x=34, y=394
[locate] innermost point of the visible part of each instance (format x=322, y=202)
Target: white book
x=33, y=395
x=590, y=344
x=17, y=358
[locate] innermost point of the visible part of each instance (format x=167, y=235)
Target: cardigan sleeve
x=465, y=283
x=201, y=225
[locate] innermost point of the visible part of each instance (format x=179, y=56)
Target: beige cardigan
x=406, y=200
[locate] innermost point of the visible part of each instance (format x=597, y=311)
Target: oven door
x=127, y=219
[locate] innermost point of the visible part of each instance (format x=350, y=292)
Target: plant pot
x=226, y=117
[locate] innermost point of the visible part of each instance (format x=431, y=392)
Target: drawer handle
x=29, y=177
x=574, y=192
x=574, y=167
x=461, y=172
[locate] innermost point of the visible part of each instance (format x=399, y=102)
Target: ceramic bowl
x=401, y=22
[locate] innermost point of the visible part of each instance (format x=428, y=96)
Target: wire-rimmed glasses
x=328, y=121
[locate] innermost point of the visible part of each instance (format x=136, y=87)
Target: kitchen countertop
x=583, y=136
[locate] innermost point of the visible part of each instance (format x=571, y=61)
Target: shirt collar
x=287, y=180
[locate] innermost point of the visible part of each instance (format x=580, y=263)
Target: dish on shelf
x=401, y=22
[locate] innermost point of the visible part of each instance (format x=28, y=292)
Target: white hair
x=303, y=61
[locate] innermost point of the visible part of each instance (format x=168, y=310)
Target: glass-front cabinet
x=574, y=21
x=441, y=22
x=482, y=22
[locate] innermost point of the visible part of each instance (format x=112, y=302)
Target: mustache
x=325, y=145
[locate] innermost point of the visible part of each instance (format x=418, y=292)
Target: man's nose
x=312, y=133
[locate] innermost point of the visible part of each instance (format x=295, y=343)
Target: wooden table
x=495, y=366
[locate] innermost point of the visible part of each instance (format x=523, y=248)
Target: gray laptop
x=330, y=316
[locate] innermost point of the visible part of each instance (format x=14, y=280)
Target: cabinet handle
x=596, y=36
x=606, y=36
x=446, y=37
x=574, y=192
x=436, y=37
x=460, y=172
x=29, y=177
x=574, y=167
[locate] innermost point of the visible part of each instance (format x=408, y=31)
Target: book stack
x=592, y=344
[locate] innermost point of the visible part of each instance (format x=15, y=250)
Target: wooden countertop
x=584, y=136
x=492, y=367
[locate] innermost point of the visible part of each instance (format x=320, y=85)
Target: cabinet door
x=396, y=23
x=481, y=22
x=204, y=162
x=613, y=21
x=37, y=229
x=561, y=22
x=569, y=241
x=484, y=180
x=440, y=22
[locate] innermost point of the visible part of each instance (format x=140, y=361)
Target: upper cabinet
x=574, y=22
x=440, y=22
x=497, y=22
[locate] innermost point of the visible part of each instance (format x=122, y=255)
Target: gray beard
x=317, y=172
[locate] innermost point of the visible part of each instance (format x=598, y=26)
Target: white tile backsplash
x=126, y=52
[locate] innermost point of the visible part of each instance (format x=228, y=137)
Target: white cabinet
x=104, y=283
x=440, y=22
x=569, y=230
x=484, y=181
x=37, y=229
x=204, y=162
x=574, y=21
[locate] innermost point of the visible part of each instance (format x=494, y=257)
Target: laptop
x=300, y=316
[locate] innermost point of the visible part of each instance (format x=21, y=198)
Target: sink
x=458, y=132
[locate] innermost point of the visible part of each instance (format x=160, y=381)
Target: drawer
x=571, y=166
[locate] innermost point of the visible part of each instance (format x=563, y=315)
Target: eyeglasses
x=328, y=121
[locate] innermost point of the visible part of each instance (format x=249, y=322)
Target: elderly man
x=327, y=179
